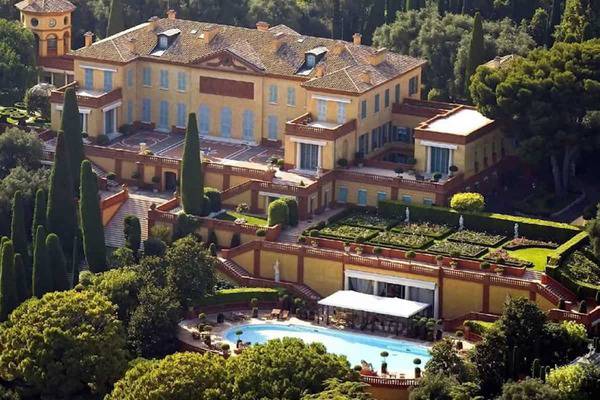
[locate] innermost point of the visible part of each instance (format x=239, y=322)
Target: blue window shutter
x=204, y=119
x=226, y=122
x=88, y=78
x=272, y=121
x=343, y=195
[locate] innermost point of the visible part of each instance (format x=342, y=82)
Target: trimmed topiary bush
x=154, y=247
x=292, y=211
x=214, y=199
x=102, y=140
x=472, y=202
x=278, y=213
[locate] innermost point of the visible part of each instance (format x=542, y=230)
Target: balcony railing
x=86, y=98
x=306, y=126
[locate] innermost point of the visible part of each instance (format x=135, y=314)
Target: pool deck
x=186, y=327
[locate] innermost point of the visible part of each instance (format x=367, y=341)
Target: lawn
x=536, y=255
x=250, y=219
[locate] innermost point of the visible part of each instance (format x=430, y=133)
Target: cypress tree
x=39, y=212
x=116, y=23
x=41, y=277
x=17, y=227
x=555, y=16
x=76, y=261
x=133, y=233
x=413, y=5
x=476, y=51
x=8, y=288
x=192, y=184
x=71, y=126
x=91, y=220
x=57, y=263
x=61, y=217
x=20, y=278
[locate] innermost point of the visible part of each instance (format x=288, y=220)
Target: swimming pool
x=354, y=346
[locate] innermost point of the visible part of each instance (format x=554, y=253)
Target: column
x=436, y=299
x=428, y=160
x=346, y=282
x=319, y=156
x=298, y=159
x=375, y=287
x=450, y=158
x=406, y=292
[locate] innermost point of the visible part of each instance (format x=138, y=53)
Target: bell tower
x=50, y=22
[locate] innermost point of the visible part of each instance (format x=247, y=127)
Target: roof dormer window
x=165, y=39
x=311, y=60
x=163, y=42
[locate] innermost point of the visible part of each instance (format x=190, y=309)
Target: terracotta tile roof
x=134, y=205
x=343, y=69
x=64, y=63
x=45, y=6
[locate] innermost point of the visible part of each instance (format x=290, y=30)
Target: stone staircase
x=240, y=275
x=135, y=205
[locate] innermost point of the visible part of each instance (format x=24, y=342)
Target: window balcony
x=86, y=97
x=306, y=126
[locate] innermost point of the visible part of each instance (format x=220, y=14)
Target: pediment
x=226, y=60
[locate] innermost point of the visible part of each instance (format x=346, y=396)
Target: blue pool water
x=354, y=346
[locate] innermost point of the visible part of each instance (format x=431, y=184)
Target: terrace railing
x=300, y=126
x=58, y=96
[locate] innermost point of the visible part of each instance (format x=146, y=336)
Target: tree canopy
x=17, y=61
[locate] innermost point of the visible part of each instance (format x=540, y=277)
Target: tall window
x=440, y=159
x=291, y=96
x=129, y=112
x=374, y=138
x=413, y=85
x=163, y=118
x=88, y=78
x=130, y=78
x=272, y=127
x=386, y=98
x=272, y=94
x=363, y=109
x=309, y=156
x=343, y=194
x=377, y=99
x=341, y=113
x=147, y=76
x=362, y=197
x=181, y=81
x=381, y=196
x=52, y=43
x=321, y=110
x=397, y=93
x=248, y=125
x=363, y=143
x=146, y=110
x=164, y=79
x=204, y=119
x=181, y=113
x=226, y=122
x=108, y=81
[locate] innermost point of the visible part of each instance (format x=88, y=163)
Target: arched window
x=52, y=44
x=66, y=21
x=67, y=42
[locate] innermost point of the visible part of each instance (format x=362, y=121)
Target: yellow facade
x=324, y=276
x=52, y=32
x=461, y=297
x=373, y=191
x=499, y=294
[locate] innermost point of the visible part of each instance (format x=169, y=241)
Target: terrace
x=85, y=97
x=307, y=126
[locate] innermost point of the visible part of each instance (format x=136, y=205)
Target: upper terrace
x=306, y=126
x=85, y=97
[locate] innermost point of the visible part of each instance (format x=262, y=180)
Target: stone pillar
x=486, y=294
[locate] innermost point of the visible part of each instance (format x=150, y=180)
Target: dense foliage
x=472, y=202
x=91, y=219
x=17, y=60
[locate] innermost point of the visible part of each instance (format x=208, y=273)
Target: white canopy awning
x=374, y=304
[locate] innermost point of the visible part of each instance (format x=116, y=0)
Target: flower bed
x=474, y=237
x=464, y=249
x=347, y=232
x=501, y=256
x=371, y=221
x=424, y=229
x=523, y=243
x=392, y=239
x=582, y=268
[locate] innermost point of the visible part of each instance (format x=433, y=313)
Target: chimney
x=338, y=48
x=89, y=38
x=153, y=21
x=320, y=70
x=365, y=77
x=278, y=41
x=172, y=14
x=262, y=26
x=130, y=43
x=209, y=32
x=378, y=56
x=357, y=38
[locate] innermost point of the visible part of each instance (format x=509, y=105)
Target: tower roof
x=45, y=6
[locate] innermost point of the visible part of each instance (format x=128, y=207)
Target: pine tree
x=18, y=235
x=71, y=126
x=574, y=23
x=91, y=220
x=39, y=212
x=8, y=288
x=61, y=217
x=57, y=263
x=20, y=278
x=192, y=183
x=41, y=277
x=476, y=50
x=116, y=23
x=133, y=233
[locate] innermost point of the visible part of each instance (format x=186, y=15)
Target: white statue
x=407, y=219
x=461, y=223
x=516, y=230
x=276, y=270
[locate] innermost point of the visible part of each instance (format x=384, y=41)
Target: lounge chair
x=285, y=314
x=275, y=313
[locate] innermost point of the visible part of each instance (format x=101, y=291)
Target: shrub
x=240, y=295
x=377, y=250
x=242, y=208
x=236, y=240
x=205, y=206
x=126, y=129
x=292, y=205
x=37, y=99
x=154, y=247
x=314, y=233
x=436, y=95
x=111, y=176
x=161, y=232
x=214, y=199
x=102, y=140
x=485, y=265
x=261, y=232
x=342, y=162
x=278, y=213
x=472, y=202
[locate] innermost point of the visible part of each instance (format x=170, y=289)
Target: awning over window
x=374, y=304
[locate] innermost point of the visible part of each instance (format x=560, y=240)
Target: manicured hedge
x=214, y=199
x=478, y=327
x=401, y=240
x=493, y=223
x=241, y=295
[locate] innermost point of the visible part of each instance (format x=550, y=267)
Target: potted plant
x=417, y=362
x=452, y=170
x=484, y=266
x=437, y=176
x=201, y=318
x=239, y=341
x=314, y=243
x=358, y=250
x=347, y=246
x=242, y=208
x=459, y=344
x=261, y=233
x=410, y=256
x=280, y=164
x=439, y=259
x=384, y=365
x=342, y=162
x=359, y=157
x=302, y=240
x=377, y=251
x=225, y=349
x=499, y=271
x=399, y=171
